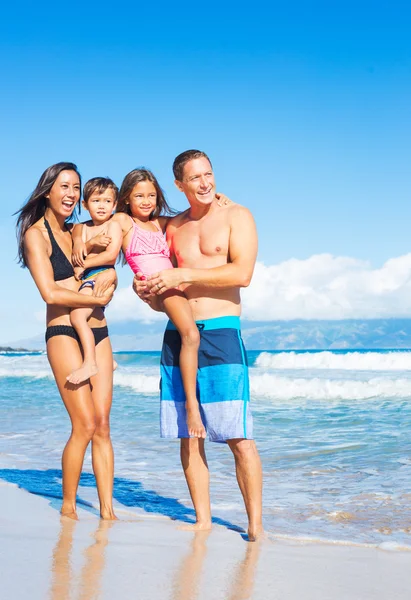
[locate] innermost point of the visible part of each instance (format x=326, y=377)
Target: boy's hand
x=78, y=272
x=101, y=241
x=79, y=253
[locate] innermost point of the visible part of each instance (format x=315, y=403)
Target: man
x=215, y=249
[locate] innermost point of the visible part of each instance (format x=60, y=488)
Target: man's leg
x=194, y=463
x=250, y=480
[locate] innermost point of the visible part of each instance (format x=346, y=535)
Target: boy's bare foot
x=86, y=371
x=194, y=424
x=199, y=526
x=115, y=365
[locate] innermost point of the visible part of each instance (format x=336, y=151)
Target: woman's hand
x=104, y=281
x=79, y=253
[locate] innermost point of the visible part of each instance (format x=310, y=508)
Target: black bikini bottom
x=100, y=333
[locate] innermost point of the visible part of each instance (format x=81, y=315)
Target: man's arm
x=243, y=247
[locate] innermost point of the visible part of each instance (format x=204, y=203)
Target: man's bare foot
x=115, y=365
x=194, y=424
x=108, y=515
x=255, y=533
x=86, y=371
x=70, y=515
x=199, y=526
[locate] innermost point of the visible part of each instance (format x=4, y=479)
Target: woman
x=45, y=246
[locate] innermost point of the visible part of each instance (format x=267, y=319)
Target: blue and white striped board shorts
x=222, y=382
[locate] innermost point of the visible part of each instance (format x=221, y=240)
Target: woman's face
x=64, y=194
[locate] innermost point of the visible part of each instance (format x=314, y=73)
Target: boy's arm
x=237, y=273
x=109, y=255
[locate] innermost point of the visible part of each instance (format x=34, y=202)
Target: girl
x=143, y=213
x=45, y=246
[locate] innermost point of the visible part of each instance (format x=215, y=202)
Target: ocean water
x=333, y=430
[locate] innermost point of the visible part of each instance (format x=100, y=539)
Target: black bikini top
x=62, y=267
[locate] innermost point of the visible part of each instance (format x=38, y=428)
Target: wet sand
x=43, y=556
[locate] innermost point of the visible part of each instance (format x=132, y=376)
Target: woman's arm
x=39, y=265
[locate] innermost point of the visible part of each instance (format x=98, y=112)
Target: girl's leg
x=179, y=311
x=79, y=318
x=102, y=450
x=64, y=356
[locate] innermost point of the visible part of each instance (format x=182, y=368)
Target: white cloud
x=126, y=306
x=320, y=287
x=329, y=287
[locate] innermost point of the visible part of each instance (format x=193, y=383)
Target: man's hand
x=100, y=241
x=104, y=281
x=79, y=253
x=222, y=199
x=158, y=283
x=78, y=272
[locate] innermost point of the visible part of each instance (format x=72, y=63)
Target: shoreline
x=46, y=556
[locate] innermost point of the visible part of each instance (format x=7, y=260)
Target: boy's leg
x=179, y=312
x=79, y=318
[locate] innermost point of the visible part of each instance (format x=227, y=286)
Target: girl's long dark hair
x=133, y=178
x=36, y=205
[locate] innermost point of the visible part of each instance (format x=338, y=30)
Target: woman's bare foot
x=86, y=371
x=194, y=423
x=69, y=512
x=255, y=533
x=199, y=526
x=115, y=365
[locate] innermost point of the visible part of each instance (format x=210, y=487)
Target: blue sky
x=303, y=108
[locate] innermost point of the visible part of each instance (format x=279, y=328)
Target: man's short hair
x=185, y=157
x=100, y=185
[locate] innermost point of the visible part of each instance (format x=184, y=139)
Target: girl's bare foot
x=194, y=424
x=86, y=371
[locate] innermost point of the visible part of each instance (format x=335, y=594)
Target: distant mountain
x=272, y=335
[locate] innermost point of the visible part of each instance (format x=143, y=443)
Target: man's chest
x=193, y=241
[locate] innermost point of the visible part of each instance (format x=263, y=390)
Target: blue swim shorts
x=222, y=382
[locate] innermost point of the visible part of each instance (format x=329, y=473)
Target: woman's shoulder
x=36, y=234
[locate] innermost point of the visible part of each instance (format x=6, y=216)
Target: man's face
x=198, y=182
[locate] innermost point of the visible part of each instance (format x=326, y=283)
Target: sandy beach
x=147, y=556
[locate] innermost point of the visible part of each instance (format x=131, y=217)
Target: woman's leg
x=102, y=450
x=64, y=356
x=79, y=318
x=179, y=311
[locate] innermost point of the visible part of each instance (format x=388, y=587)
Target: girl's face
x=64, y=194
x=143, y=200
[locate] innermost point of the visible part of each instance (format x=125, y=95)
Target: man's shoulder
x=178, y=219
x=237, y=211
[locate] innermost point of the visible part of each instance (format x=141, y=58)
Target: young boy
x=102, y=238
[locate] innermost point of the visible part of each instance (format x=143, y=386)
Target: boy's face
x=100, y=205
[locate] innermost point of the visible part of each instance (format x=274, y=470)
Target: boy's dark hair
x=100, y=185
x=182, y=159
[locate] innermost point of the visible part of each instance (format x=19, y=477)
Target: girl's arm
x=109, y=255
x=39, y=265
x=163, y=222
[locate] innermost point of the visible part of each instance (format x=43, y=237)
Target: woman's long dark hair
x=36, y=205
